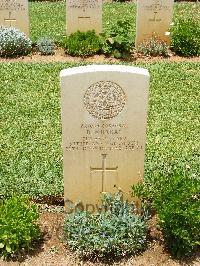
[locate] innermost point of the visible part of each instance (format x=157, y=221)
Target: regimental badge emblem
x=104, y=100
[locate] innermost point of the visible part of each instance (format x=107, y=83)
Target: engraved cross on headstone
x=103, y=170
x=83, y=17
x=10, y=20
x=154, y=18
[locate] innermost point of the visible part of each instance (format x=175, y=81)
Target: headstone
x=153, y=19
x=84, y=15
x=14, y=13
x=104, y=113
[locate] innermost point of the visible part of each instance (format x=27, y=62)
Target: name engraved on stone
x=105, y=137
x=104, y=100
x=103, y=170
x=11, y=5
x=158, y=6
x=84, y=4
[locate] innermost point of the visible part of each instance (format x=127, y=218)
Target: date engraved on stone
x=104, y=100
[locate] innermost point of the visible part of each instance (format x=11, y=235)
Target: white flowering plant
x=13, y=42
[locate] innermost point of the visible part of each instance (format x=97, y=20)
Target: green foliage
x=46, y=46
x=117, y=231
x=178, y=209
x=82, y=43
x=114, y=12
x=153, y=47
x=13, y=42
x=186, y=32
x=18, y=227
x=176, y=200
x=119, y=39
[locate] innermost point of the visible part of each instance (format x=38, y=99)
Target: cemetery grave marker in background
x=14, y=13
x=84, y=15
x=104, y=113
x=153, y=18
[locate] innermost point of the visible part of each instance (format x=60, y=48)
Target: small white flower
x=167, y=33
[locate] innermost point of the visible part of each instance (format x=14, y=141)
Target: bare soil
x=52, y=251
x=60, y=56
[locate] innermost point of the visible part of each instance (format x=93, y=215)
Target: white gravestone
x=14, y=13
x=154, y=18
x=104, y=113
x=84, y=15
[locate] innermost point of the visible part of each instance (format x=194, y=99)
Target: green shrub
x=82, y=43
x=186, y=33
x=118, y=41
x=116, y=231
x=153, y=47
x=13, y=42
x=176, y=200
x=18, y=227
x=46, y=46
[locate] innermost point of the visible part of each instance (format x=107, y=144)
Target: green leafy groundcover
x=186, y=31
x=115, y=231
x=177, y=205
x=82, y=43
x=31, y=156
x=18, y=225
x=175, y=198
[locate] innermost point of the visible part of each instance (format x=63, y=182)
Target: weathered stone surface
x=84, y=15
x=14, y=13
x=104, y=113
x=153, y=19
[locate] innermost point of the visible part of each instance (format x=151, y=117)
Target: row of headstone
x=153, y=17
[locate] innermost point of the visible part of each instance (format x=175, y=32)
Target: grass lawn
x=48, y=19
x=31, y=155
